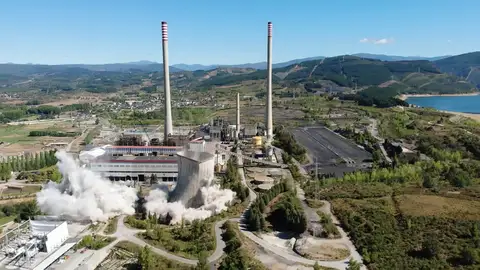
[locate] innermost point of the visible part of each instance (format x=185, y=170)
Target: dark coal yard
x=333, y=153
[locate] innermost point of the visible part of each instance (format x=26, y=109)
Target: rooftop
x=196, y=156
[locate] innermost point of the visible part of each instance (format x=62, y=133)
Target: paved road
x=124, y=233
x=292, y=256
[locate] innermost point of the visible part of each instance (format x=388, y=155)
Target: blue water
x=466, y=104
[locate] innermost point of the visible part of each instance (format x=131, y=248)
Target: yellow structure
x=257, y=141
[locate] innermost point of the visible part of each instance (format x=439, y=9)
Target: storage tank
x=195, y=170
x=257, y=141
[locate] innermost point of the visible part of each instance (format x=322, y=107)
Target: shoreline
x=406, y=96
x=472, y=116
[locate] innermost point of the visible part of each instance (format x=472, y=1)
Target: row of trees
x=429, y=173
x=53, y=133
x=232, y=180
x=255, y=217
x=27, y=163
x=21, y=211
x=236, y=258
x=285, y=140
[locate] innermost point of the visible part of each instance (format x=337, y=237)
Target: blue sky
x=231, y=32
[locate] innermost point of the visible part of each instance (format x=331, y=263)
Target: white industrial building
x=35, y=244
x=139, y=163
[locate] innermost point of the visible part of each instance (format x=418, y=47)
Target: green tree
x=470, y=256
x=43, y=163
x=56, y=176
x=36, y=162
x=317, y=266
x=202, y=261
x=145, y=259
x=431, y=246
x=353, y=265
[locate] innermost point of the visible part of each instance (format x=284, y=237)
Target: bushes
x=236, y=257
x=285, y=140
x=288, y=215
x=329, y=230
x=388, y=239
x=94, y=242
x=148, y=260
x=188, y=240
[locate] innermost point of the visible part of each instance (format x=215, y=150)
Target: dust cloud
x=214, y=201
x=84, y=195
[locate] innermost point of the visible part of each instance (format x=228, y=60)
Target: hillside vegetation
x=332, y=74
x=464, y=65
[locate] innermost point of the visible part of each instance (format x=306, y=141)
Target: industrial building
x=35, y=244
x=139, y=163
x=136, y=163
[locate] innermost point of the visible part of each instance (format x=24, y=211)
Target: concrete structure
x=237, y=130
x=268, y=115
x=53, y=233
x=35, y=244
x=168, y=128
x=196, y=169
x=197, y=145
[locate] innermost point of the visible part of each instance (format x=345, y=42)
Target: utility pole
x=316, y=178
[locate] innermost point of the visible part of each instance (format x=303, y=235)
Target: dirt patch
x=429, y=205
x=322, y=250
x=14, y=201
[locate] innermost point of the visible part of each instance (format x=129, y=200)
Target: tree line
x=232, y=180
x=236, y=257
x=53, y=133
x=27, y=163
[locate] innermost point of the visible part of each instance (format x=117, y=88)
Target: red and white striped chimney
x=268, y=116
x=168, y=125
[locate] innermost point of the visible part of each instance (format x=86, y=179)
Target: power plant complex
x=186, y=161
x=167, y=163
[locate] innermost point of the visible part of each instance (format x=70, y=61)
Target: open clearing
x=16, y=140
x=430, y=205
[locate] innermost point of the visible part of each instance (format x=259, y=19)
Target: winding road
x=125, y=233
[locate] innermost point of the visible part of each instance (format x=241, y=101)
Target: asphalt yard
x=332, y=152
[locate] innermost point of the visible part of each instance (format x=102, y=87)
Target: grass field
x=429, y=205
x=16, y=191
x=17, y=139
x=5, y=220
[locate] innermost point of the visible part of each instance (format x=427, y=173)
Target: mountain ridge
x=146, y=65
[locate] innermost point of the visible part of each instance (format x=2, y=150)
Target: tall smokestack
x=168, y=128
x=237, y=132
x=268, y=116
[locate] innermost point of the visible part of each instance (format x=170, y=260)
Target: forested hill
x=333, y=74
x=350, y=72
x=464, y=65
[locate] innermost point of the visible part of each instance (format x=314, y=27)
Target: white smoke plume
x=214, y=201
x=83, y=194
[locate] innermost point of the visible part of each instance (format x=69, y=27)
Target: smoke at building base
x=85, y=195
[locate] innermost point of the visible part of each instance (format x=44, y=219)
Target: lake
x=466, y=104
